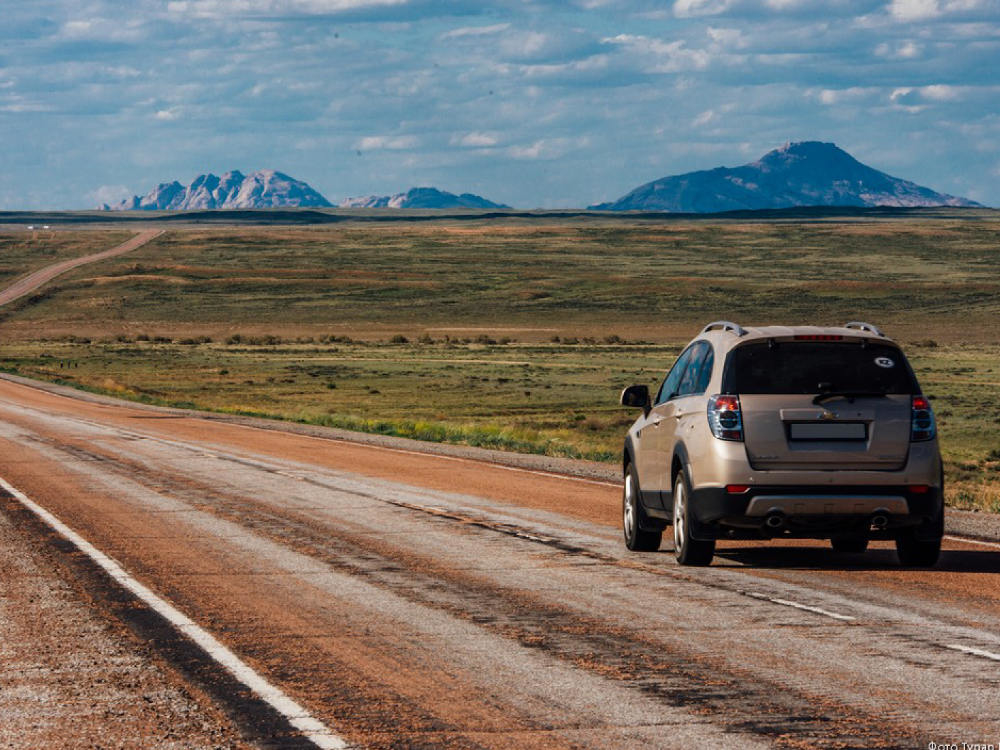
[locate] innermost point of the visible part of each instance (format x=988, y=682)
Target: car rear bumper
x=801, y=504
x=810, y=511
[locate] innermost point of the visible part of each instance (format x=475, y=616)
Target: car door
x=684, y=411
x=653, y=475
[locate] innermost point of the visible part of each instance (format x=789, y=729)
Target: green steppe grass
x=444, y=331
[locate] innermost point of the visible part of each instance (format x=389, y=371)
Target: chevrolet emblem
x=826, y=416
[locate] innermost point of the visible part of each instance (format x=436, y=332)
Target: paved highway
x=265, y=588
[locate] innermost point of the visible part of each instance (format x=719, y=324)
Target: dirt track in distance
x=43, y=276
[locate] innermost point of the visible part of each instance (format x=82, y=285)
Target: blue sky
x=526, y=102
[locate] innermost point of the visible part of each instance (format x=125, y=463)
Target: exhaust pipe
x=879, y=521
x=775, y=520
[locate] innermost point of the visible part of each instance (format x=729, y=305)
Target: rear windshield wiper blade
x=848, y=395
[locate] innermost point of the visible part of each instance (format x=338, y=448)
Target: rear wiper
x=850, y=395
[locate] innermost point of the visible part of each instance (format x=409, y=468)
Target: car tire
x=917, y=553
x=687, y=550
x=637, y=538
x=849, y=544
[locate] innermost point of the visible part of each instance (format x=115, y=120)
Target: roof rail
x=864, y=327
x=724, y=325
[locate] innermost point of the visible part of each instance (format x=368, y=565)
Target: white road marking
x=796, y=605
x=974, y=651
x=967, y=540
x=310, y=727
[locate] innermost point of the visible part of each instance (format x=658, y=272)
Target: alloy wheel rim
x=679, y=529
x=629, y=519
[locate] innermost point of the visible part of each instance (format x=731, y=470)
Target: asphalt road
x=387, y=598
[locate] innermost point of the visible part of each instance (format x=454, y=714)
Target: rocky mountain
x=808, y=173
x=264, y=188
x=421, y=197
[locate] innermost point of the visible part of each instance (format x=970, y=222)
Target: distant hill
x=421, y=197
x=264, y=188
x=808, y=173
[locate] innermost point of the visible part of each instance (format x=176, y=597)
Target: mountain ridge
x=421, y=197
x=802, y=173
x=263, y=188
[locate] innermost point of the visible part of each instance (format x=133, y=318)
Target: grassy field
x=23, y=251
x=650, y=281
x=447, y=331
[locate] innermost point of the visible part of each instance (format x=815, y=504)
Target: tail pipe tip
x=775, y=519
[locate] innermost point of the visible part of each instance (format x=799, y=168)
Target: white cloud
x=534, y=151
x=231, y=8
x=904, y=50
x=104, y=29
x=547, y=148
x=915, y=98
x=475, y=140
x=958, y=6
x=940, y=92
x=732, y=38
x=475, y=31
x=23, y=107
x=914, y=10
x=907, y=99
x=658, y=56
x=691, y=8
x=704, y=118
x=525, y=44
x=919, y=10
x=387, y=143
x=841, y=96
x=168, y=115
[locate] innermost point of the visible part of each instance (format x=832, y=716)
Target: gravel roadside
x=72, y=678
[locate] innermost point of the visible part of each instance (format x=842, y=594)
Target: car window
x=671, y=384
x=817, y=367
x=705, y=370
x=692, y=375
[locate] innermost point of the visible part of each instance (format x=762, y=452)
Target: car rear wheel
x=687, y=550
x=633, y=517
x=850, y=544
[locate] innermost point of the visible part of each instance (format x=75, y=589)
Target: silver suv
x=785, y=432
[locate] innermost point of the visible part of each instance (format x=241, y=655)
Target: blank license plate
x=828, y=431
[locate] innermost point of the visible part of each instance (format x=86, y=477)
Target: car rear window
x=817, y=367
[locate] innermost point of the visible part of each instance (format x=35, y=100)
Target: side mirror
x=636, y=395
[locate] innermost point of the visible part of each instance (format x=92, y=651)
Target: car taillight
x=724, y=417
x=922, y=426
